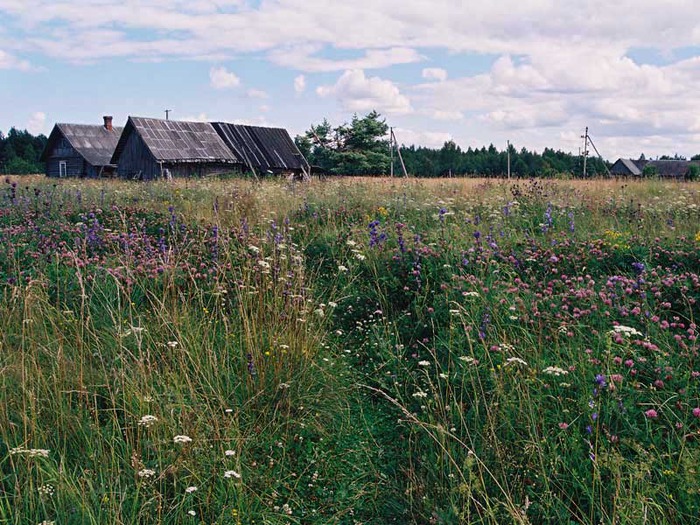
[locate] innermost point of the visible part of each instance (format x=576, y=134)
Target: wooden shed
x=79, y=150
x=264, y=150
x=151, y=148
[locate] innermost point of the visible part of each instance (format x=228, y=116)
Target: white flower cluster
x=147, y=420
x=626, y=331
x=182, y=439
x=232, y=474
x=555, y=371
x=147, y=473
x=515, y=361
x=30, y=452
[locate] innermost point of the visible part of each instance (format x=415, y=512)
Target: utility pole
x=585, y=151
x=398, y=151
x=508, y=142
x=167, y=114
x=391, y=149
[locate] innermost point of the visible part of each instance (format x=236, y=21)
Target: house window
x=62, y=168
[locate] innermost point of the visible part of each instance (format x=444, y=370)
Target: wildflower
x=625, y=331
x=423, y=363
x=360, y=257
x=46, y=490
x=651, y=413
x=470, y=294
x=254, y=249
x=264, y=264
x=182, y=439
x=229, y=453
x=173, y=344
x=47, y=522
x=469, y=360
x=191, y=513
x=342, y=269
x=696, y=411
x=147, y=473
x=190, y=490
x=563, y=425
x=600, y=380
x=515, y=361
x=555, y=371
x=232, y=474
x=31, y=452
x=420, y=394
x=147, y=421
x=350, y=243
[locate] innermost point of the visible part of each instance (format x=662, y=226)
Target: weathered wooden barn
x=665, y=169
x=152, y=148
x=264, y=150
x=79, y=150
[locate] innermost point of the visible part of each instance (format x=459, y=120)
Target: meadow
x=352, y=351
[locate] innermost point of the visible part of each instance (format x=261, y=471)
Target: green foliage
x=20, y=152
x=383, y=352
x=693, y=172
x=649, y=171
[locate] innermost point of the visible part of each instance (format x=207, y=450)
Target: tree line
x=20, y=152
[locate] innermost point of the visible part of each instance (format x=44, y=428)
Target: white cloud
x=8, y=61
x=434, y=73
x=202, y=117
x=37, y=123
x=300, y=57
x=431, y=139
x=299, y=84
x=256, y=93
x=357, y=92
x=221, y=78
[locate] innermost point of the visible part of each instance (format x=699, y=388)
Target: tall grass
x=349, y=351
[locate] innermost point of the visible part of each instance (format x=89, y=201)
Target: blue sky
x=534, y=72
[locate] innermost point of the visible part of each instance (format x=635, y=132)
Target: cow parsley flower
x=147, y=420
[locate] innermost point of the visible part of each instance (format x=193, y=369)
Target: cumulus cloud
x=256, y=93
x=357, y=92
x=301, y=58
x=299, y=84
x=8, y=61
x=37, y=123
x=201, y=117
x=434, y=73
x=431, y=139
x=221, y=78
x=556, y=68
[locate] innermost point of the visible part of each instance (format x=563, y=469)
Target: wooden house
x=79, y=150
x=150, y=148
x=665, y=169
x=264, y=150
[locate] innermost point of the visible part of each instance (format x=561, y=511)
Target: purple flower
x=651, y=413
x=600, y=380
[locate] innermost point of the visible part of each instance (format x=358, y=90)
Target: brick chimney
x=108, y=122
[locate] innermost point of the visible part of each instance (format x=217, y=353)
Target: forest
x=20, y=152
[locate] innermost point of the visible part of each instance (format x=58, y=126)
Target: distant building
x=152, y=148
x=666, y=169
x=264, y=150
x=79, y=150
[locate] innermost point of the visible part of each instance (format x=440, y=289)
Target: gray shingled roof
x=262, y=148
x=177, y=141
x=630, y=165
x=95, y=143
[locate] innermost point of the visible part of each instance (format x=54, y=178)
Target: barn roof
x=95, y=143
x=674, y=169
x=263, y=149
x=177, y=141
x=630, y=165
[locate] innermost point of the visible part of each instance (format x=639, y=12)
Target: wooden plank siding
x=75, y=163
x=136, y=160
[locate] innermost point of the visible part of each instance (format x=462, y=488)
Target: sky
x=532, y=72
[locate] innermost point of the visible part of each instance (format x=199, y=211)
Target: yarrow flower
x=626, y=331
x=30, y=452
x=232, y=474
x=515, y=361
x=555, y=371
x=469, y=360
x=423, y=363
x=420, y=394
x=147, y=473
x=190, y=490
x=147, y=421
x=230, y=453
x=182, y=439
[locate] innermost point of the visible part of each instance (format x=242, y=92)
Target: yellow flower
x=697, y=237
x=382, y=211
